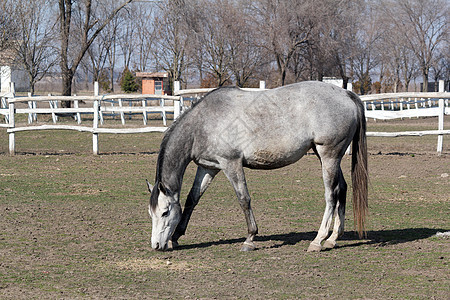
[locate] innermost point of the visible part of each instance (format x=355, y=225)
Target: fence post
x=262, y=84
x=96, y=89
x=440, y=142
x=4, y=104
x=53, y=104
x=12, y=137
x=144, y=105
x=163, y=113
x=122, y=114
x=12, y=140
x=177, y=108
x=31, y=105
x=176, y=87
x=94, y=127
x=78, y=115
x=177, y=103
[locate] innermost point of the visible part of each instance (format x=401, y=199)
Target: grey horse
x=230, y=129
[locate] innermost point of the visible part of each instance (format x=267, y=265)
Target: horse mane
x=167, y=136
x=171, y=128
x=163, y=146
x=159, y=163
x=165, y=140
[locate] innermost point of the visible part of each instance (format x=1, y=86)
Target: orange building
x=155, y=83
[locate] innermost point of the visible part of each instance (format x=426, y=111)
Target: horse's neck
x=176, y=157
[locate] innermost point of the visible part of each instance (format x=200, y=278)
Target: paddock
x=74, y=225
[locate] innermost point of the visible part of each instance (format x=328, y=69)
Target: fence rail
x=409, y=105
x=405, y=105
x=98, y=108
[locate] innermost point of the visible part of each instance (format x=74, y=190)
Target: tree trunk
x=65, y=15
x=425, y=79
x=345, y=82
x=67, y=78
x=283, y=76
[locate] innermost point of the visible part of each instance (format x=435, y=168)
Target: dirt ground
x=75, y=226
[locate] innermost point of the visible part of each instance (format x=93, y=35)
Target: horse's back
x=273, y=128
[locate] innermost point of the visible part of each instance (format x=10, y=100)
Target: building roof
x=152, y=74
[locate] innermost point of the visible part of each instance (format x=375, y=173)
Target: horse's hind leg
x=235, y=174
x=339, y=214
x=334, y=187
x=201, y=182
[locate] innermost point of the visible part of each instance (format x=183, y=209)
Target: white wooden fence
x=409, y=105
x=98, y=107
x=389, y=106
x=378, y=106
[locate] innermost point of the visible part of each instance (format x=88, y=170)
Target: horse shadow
x=376, y=237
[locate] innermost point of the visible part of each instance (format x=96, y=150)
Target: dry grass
x=74, y=225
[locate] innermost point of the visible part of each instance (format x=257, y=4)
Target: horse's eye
x=165, y=214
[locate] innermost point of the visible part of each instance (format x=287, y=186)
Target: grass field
x=74, y=225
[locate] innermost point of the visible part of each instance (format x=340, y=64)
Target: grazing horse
x=230, y=129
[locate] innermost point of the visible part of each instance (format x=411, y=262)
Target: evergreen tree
x=129, y=84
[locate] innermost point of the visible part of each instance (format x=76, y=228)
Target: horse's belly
x=272, y=159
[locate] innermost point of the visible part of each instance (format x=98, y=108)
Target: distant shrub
x=129, y=84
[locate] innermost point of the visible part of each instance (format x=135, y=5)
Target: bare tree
x=284, y=27
x=172, y=38
x=7, y=24
x=126, y=35
x=390, y=62
x=331, y=42
x=100, y=58
x=246, y=54
x=397, y=59
x=90, y=26
x=33, y=46
x=368, y=38
x=145, y=35
x=215, y=39
x=438, y=68
x=220, y=41
x=424, y=26
x=111, y=31
x=340, y=34
x=409, y=67
x=97, y=54
x=396, y=54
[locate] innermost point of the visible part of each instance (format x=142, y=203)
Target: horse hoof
x=174, y=244
x=314, y=248
x=248, y=247
x=329, y=244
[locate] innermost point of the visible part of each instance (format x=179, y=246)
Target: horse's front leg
x=202, y=180
x=235, y=174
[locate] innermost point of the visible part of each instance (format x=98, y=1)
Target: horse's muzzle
x=165, y=247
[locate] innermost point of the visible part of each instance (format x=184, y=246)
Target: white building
x=10, y=74
x=338, y=82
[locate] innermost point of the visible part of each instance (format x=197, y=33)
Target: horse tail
x=360, y=175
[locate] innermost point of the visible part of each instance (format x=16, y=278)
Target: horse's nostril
x=157, y=246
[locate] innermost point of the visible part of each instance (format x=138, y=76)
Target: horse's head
x=165, y=211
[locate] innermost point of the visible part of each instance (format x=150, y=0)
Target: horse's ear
x=163, y=189
x=149, y=186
